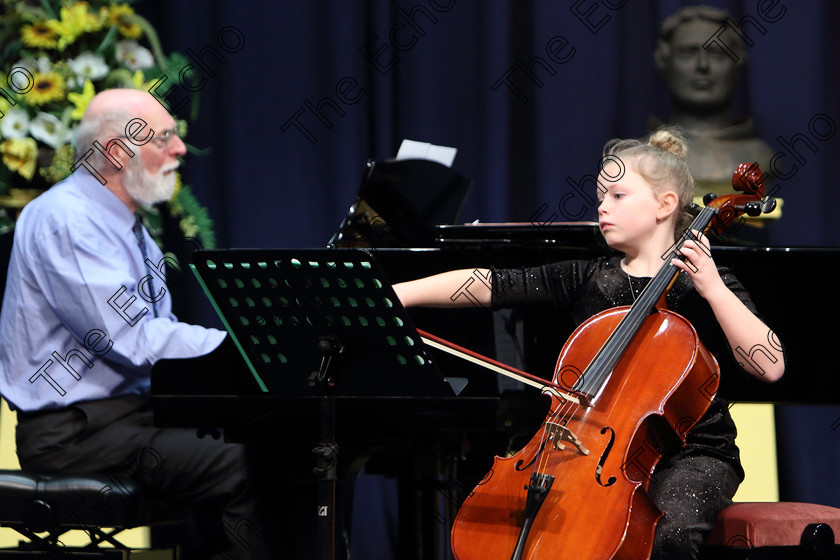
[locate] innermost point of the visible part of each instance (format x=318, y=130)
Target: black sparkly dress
x=692, y=485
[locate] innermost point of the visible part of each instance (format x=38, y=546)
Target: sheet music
x=411, y=149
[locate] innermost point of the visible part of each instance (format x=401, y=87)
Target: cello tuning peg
x=708, y=197
x=752, y=208
x=693, y=209
x=768, y=204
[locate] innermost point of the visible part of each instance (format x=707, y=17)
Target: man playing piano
x=79, y=342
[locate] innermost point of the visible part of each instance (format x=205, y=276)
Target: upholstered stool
x=771, y=530
x=33, y=503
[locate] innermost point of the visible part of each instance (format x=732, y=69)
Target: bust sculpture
x=700, y=82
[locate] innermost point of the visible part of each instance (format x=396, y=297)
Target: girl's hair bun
x=670, y=140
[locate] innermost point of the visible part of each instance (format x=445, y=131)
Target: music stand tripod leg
x=326, y=450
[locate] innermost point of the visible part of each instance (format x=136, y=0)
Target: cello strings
x=547, y=463
x=623, y=332
x=612, y=348
x=598, y=372
x=628, y=326
x=600, y=368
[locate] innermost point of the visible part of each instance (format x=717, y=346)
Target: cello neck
x=597, y=373
x=667, y=273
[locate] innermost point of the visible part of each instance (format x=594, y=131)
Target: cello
x=629, y=383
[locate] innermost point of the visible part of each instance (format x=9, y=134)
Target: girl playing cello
x=640, y=215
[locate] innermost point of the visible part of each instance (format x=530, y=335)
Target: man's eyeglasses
x=160, y=140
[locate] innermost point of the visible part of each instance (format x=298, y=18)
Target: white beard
x=146, y=188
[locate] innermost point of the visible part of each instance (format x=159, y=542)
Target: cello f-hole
x=520, y=467
x=603, y=458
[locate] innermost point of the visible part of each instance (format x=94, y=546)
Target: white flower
x=133, y=55
x=88, y=65
x=44, y=65
x=47, y=128
x=21, y=75
x=29, y=64
x=14, y=124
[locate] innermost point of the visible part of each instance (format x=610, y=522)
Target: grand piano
x=440, y=446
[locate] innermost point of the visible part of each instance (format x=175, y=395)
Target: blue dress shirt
x=76, y=321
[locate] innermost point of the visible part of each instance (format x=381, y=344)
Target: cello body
x=601, y=455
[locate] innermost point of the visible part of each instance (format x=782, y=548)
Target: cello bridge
x=561, y=435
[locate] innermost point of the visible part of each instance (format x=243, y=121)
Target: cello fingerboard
x=597, y=373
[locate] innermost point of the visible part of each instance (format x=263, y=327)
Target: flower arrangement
x=55, y=55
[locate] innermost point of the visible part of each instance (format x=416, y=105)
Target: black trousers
x=117, y=435
x=691, y=491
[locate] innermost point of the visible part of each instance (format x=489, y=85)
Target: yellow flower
x=81, y=100
x=189, y=226
x=177, y=185
x=48, y=87
x=75, y=20
x=122, y=17
x=39, y=35
x=138, y=80
x=20, y=154
x=176, y=208
x=63, y=160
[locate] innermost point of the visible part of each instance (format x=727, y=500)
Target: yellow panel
x=8, y=421
x=757, y=441
x=135, y=538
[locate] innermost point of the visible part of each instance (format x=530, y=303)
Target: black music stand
x=319, y=322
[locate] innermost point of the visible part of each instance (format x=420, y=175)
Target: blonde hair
x=661, y=161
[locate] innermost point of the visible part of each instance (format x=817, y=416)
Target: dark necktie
x=141, y=241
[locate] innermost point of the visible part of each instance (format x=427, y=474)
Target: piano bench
x=774, y=530
x=54, y=504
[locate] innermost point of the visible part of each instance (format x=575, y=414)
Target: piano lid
x=400, y=202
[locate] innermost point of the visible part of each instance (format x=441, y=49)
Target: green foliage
x=71, y=50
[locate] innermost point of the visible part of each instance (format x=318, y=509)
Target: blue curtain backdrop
x=318, y=87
